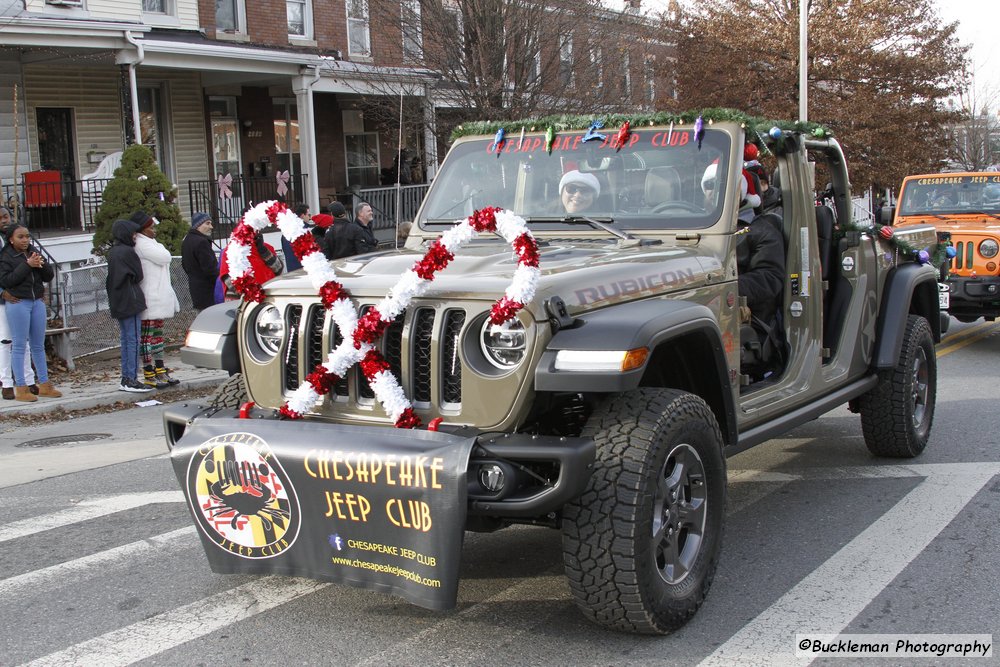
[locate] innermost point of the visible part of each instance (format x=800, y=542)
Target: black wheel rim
x=679, y=513
x=921, y=387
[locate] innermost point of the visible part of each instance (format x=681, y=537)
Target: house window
x=566, y=60
x=358, y=41
x=230, y=16
x=413, y=45
x=454, y=32
x=627, y=77
x=649, y=69
x=152, y=125
x=535, y=66
x=225, y=136
x=154, y=6
x=597, y=66
x=361, y=149
x=299, y=18
x=286, y=137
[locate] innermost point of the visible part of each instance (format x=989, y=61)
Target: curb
x=85, y=399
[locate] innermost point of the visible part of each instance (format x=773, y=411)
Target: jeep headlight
x=989, y=248
x=269, y=329
x=503, y=345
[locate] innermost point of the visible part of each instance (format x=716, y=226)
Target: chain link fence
x=84, y=305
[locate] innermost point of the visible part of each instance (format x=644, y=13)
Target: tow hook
x=245, y=409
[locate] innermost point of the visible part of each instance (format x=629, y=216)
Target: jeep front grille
x=294, y=315
x=408, y=346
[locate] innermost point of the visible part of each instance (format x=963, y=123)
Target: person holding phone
x=23, y=274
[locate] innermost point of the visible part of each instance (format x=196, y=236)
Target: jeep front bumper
x=974, y=297
x=512, y=476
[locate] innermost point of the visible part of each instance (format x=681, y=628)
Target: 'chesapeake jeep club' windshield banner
x=382, y=509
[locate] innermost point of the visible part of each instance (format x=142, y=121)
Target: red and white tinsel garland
x=359, y=345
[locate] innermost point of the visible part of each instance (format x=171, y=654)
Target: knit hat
x=199, y=218
x=142, y=219
x=580, y=178
x=750, y=153
x=337, y=210
x=323, y=220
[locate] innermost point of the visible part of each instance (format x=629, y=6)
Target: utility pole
x=803, y=60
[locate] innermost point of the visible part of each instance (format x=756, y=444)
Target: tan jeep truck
x=607, y=412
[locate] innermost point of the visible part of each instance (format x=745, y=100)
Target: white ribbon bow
x=225, y=180
x=282, y=178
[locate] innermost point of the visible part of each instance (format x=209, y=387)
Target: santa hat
x=580, y=178
x=750, y=153
x=750, y=197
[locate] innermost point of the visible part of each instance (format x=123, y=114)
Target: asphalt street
x=100, y=563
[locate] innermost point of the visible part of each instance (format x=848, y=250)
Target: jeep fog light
x=269, y=329
x=601, y=360
x=989, y=248
x=503, y=345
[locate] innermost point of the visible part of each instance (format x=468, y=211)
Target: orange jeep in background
x=967, y=206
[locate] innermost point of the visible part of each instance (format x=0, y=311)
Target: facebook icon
x=336, y=542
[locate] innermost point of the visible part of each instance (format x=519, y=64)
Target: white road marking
x=170, y=629
x=827, y=598
x=830, y=597
x=85, y=510
x=525, y=590
x=99, y=561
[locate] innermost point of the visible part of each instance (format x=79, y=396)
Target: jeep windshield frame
x=661, y=179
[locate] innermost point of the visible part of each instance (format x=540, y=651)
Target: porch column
x=302, y=87
x=430, y=135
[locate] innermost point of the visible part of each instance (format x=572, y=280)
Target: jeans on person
x=27, y=326
x=130, y=329
x=6, y=376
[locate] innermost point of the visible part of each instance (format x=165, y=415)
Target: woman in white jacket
x=161, y=302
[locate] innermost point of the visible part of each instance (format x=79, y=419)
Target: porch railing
x=383, y=202
x=47, y=202
x=226, y=207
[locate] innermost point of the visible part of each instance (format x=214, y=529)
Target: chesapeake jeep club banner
x=382, y=509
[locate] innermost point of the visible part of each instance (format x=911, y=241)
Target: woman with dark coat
x=23, y=274
x=125, y=300
x=199, y=261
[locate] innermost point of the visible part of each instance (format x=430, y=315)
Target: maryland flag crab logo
x=241, y=496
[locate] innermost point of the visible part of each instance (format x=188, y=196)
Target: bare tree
x=879, y=71
x=520, y=58
x=974, y=139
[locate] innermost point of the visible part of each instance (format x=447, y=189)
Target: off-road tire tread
x=599, y=528
x=885, y=418
x=231, y=394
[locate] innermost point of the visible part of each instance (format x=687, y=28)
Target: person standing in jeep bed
x=353, y=237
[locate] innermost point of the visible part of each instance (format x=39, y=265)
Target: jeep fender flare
x=218, y=320
x=648, y=323
x=909, y=288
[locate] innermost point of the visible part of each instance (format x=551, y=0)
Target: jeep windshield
x=948, y=194
x=660, y=179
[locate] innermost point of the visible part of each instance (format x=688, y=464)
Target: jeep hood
x=953, y=221
x=584, y=274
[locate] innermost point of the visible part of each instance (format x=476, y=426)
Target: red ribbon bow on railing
x=225, y=180
x=282, y=178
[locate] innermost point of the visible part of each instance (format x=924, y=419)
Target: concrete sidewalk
x=97, y=385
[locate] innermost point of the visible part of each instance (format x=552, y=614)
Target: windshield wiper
x=606, y=224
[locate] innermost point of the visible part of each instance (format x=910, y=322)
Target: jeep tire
x=641, y=544
x=896, y=415
x=231, y=394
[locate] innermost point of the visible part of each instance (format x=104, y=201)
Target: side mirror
x=884, y=215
